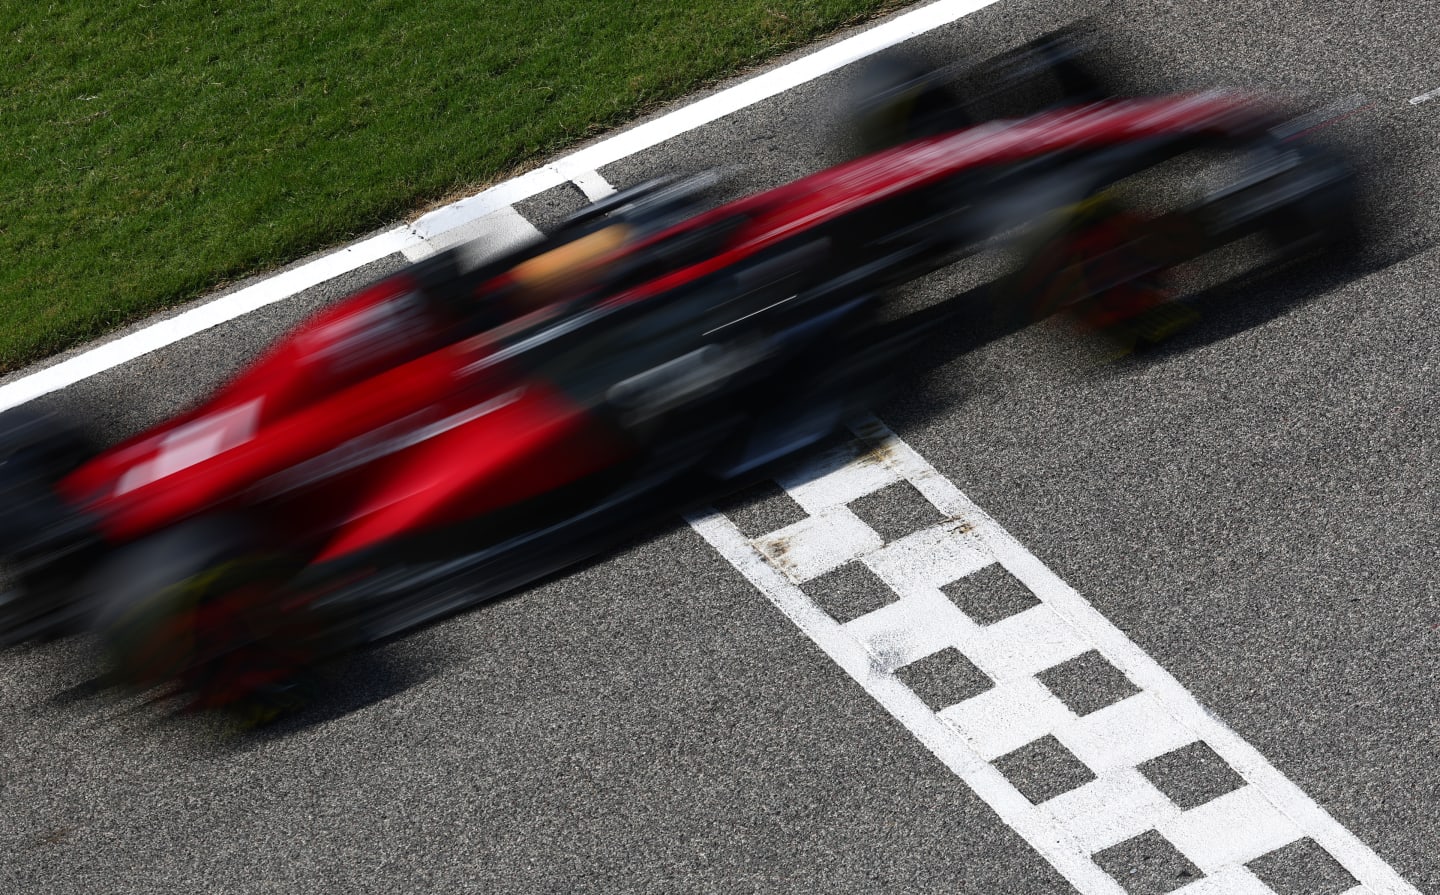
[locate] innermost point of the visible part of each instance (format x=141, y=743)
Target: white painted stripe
x=907, y=708
x=1425, y=97
x=579, y=166
x=181, y=326
x=593, y=185
x=1219, y=837
x=484, y=237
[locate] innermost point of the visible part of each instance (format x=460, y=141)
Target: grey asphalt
x=1253, y=506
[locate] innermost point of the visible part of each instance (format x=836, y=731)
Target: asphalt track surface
x=1253, y=507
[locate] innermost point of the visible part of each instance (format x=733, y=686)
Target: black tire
x=201, y=608
x=44, y=544
x=1322, y=219
x=37, y=449
x=1058, y=274
x=45, y=443
x=897, y=99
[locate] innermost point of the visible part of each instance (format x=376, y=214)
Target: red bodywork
x=408, y=433
x=448, y=442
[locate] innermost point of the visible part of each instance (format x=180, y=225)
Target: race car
x=458, y=430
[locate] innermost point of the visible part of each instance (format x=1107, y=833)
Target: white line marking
x=1425, y=97
x=483, y=237
x=593, y=185
x=578, y=166
x=711, y=108
x=181, y=326
x=1220, y=837
x=1325, y=116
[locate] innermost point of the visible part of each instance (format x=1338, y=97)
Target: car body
x=457, y=430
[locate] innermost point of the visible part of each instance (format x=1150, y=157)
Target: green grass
x=152, y=150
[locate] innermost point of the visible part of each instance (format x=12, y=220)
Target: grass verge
x=154, y=150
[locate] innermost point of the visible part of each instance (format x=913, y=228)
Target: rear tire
x=1099, y=261
x=897, y=99
x=1322, y=219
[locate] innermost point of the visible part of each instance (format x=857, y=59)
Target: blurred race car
x=455, y=430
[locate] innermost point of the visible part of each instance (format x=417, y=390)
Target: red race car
x=453, y=432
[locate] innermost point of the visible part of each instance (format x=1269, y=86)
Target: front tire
x=44, y=543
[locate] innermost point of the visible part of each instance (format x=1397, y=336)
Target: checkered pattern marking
x=1017, y=725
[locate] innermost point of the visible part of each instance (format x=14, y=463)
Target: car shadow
x=387, y=668
x=971, y=320
x=1231, y=308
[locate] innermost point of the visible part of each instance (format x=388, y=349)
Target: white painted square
x=484, y=238
x=1236, y=828
x=910, y=629
x=1126, y=734
x=1230, y=881
x=593, y=185
x=1114, y=807
x=1006, y=717
x=1025, y=643
x=814, y=546
x=930, y=558
x=837, y=476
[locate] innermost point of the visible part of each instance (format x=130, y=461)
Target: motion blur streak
x=653, y=350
